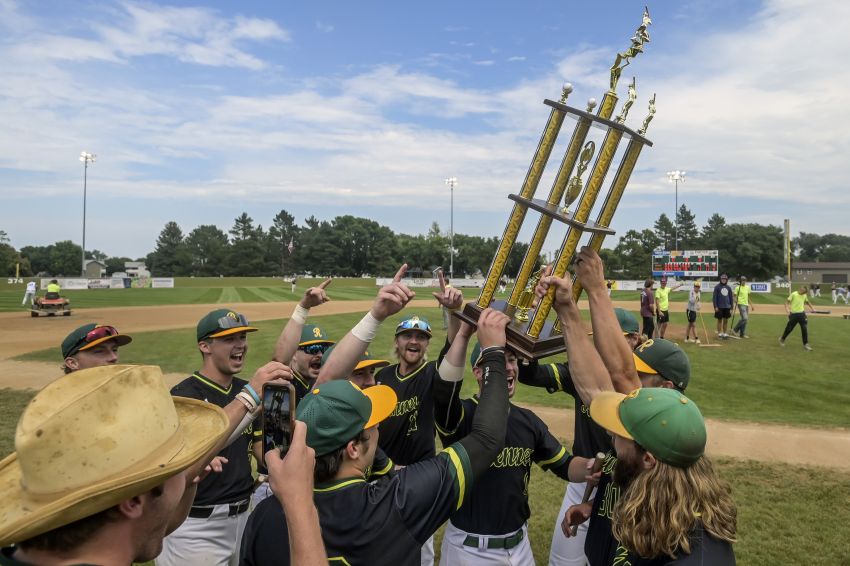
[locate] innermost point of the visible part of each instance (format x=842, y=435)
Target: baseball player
x=662, y=304
x=92, y=345
x=29, y=294
x=692, y=310
x=589, y=439
x=797, y=302
x=721, y=299
x=672, y=509
x=742, y=301
x=213, y=530
x=408, y=434
x=388, y=522
x=609, y=365
x=487, y=529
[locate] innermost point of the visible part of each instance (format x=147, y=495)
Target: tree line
x=350, y=246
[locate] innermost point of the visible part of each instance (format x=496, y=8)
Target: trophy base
x=525, y=346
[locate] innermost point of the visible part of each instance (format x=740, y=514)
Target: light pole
x=675, y=177
x=451, y=182
x=86, y=158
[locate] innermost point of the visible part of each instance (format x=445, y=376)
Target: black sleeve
x=487, y=437
x=382, y=466
x=443, y=352
x=448, y=409
x=548, y=452
x=552, y=377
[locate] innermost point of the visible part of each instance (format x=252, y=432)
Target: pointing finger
x=324, y=284
x=400, y=273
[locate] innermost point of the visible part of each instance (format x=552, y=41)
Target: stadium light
x=86, y=158
x=675, y=177
x=451, y=182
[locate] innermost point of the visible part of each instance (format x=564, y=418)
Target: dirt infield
x=20, y=333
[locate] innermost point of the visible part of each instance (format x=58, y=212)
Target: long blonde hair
x=657, y=512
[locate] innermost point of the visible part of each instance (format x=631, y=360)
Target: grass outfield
x=781, y=509
x=747, y=380
x=228, y=290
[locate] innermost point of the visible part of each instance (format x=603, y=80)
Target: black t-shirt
x=498, y=504
x=407, y=435
x=600, y=546
x=589, y=437
x=235, y=480
x=386, y=522
x=705, y=551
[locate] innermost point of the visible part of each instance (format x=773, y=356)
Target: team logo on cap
x=645, y=345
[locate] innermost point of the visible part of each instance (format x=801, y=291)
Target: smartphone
x=278, y=416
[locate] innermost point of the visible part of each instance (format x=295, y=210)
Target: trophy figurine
x=532, y=333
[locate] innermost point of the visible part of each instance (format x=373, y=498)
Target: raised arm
x=607, y=334
x=289, y=337
x=589, y=374
x=391, y=299
x=446, y=390
x=487, y=436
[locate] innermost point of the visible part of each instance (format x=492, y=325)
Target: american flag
x=291, y=246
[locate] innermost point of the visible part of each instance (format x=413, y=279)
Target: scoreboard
x=687, y=263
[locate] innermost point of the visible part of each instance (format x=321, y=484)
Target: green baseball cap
x=337, y=411
x=664, y=358
x=312, y=334
x=365, y=361
x=90, y=335
x=628, y=322
x=663, y=421
x=222, y=322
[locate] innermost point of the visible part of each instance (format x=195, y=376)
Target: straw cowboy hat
x=94, y=438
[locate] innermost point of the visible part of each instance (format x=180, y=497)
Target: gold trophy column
x=532, y=179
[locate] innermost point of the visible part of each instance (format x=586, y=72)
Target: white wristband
x=367, y=328
x=300, y=314
x=450, y=372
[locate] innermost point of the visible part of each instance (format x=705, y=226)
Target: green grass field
x=209, y=290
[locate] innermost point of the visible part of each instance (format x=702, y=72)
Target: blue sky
x=199, y=111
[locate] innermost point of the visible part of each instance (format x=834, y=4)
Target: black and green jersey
x=498, y=504
x=301, y=385
x=408, y=435
x=235, y=481
x=600, y=546
x=386, y=522
x=589, y=437
x=705, y=550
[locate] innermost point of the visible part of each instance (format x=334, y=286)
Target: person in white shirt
x=29, y=295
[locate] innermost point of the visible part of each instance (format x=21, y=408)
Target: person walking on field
x=742, y=300
x=722, y=302
x=834, y=293
x=798, y=301
x=694, y=305
x=662, y=304
x=647, y=308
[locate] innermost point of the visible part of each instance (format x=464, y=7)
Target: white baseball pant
x=454, y=553
x=213, y=541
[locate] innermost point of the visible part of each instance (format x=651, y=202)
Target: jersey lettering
x=406, y=406
x=513, y=457
x=621, y=557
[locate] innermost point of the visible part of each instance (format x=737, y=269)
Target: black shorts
x=663, y=316
x=723, y=313
x=692, y=316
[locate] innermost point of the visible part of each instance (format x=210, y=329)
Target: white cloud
x=515, y=58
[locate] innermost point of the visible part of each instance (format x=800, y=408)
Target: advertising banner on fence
x=433, y=282
x=687, y=263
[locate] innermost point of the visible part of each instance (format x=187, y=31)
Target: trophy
x=530, y=333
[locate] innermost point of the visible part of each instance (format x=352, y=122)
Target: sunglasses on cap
x=314, y=349
x=99, y=332
x=413, y=324
x=229, y=321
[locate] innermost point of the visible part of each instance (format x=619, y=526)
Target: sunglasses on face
x=314, y=349
x=227, y=322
